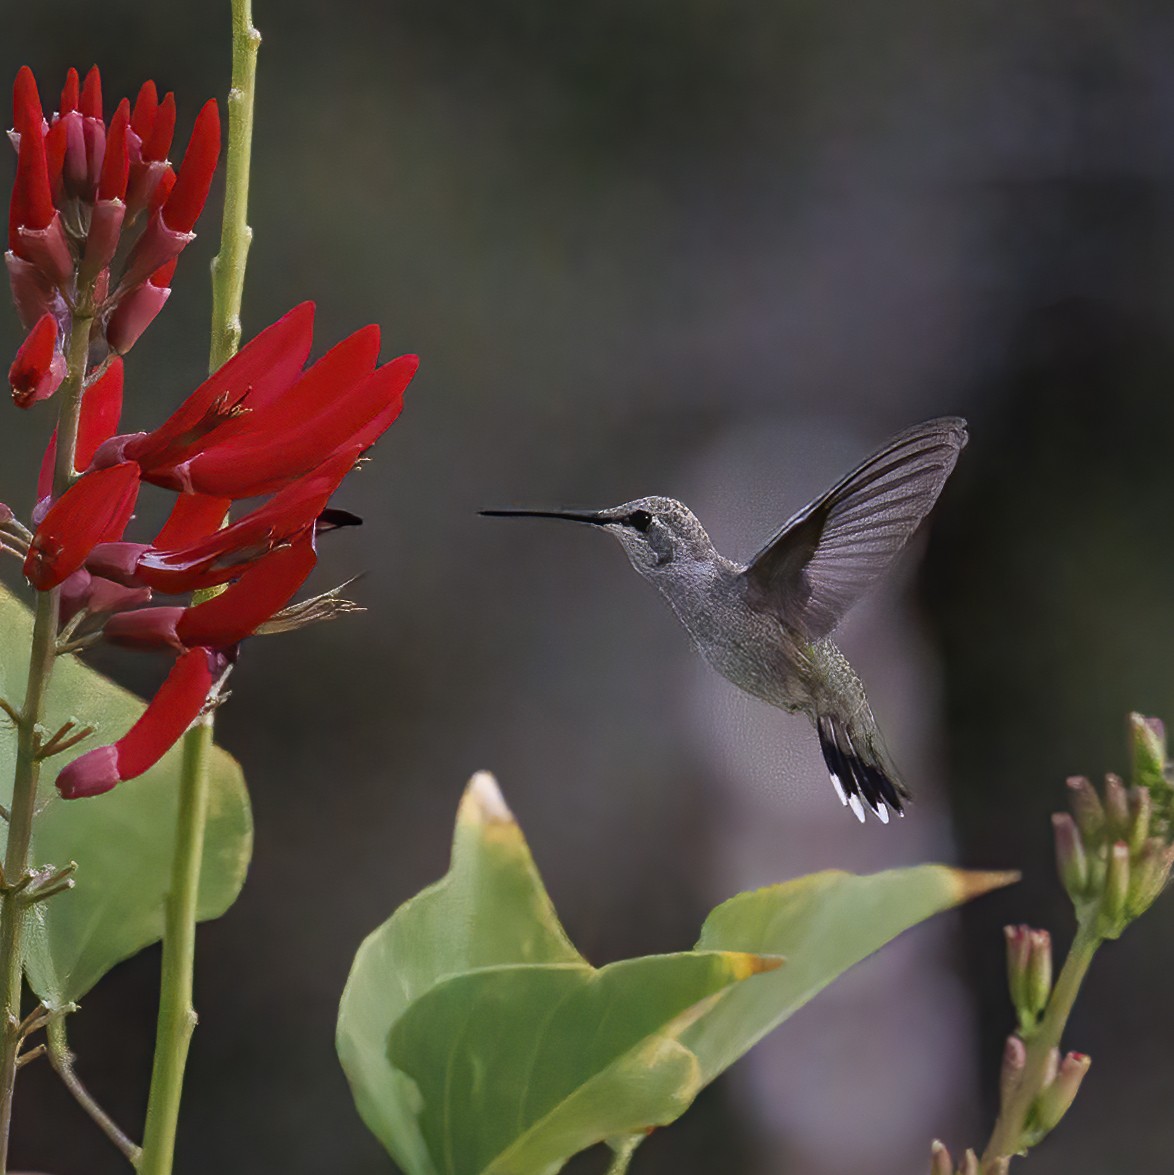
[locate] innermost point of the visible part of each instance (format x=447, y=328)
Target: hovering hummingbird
x=766, y=626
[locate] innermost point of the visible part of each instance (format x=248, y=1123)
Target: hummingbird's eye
x=640, y=519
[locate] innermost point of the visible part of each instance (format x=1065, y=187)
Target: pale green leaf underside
x=121, y=841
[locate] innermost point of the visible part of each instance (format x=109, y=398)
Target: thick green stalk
x=177, y=1017
x=1007, y=1138
x=43, y=652
x=622, y=1154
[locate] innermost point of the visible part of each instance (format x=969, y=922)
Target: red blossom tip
x=116, y=162
x=100, y=412
x=194, y=178
x=38, y=369
x=32, y=199
x=91, y=97
x=175, y=706
x=158, y=142
x=93, y=510
x=69, y=93
x=26, y=102
x=146, y=104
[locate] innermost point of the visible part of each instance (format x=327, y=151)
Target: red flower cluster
x=84, y=189
x=258, y=426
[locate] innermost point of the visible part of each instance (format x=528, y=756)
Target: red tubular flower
x=193, y=517
x=172, y=710
x=98, y=418
x=39, y=367
x=258, y=423
x=93, y=510
x=227, y=619
x=79, y=193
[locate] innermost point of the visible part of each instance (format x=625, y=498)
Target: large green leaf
x=519, y=1068
x=478, y=1042
x=122, y=841
x=489, y=909
x=823, y=924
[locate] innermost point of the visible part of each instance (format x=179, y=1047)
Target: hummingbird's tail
x=859, y=767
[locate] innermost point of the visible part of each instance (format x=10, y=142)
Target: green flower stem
x=1007, y=1138
x=13, y=902
x=623, y=1154
x=177, y=1017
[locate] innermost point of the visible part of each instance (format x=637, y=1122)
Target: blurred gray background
x=716, y=249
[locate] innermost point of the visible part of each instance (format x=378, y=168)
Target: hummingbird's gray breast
x=747, y=647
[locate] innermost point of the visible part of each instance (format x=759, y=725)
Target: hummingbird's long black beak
x=593, y=516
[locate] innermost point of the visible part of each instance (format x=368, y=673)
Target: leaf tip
x=971, y=883
x=483, y=802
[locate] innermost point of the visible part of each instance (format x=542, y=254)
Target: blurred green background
x=716, y=249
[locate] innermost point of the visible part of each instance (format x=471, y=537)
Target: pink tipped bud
x=940, y=1162
x=1039, y=972
x=1116, y=895
x=1116, y=808
x=1018, y=953
x=970, y=1164
x=1011, y=1071
x=1150, y=873
x=1087, y=808
x=1141, y=808
x=1071, y=859
x=1057, y=1097
x=1148, y=744
x=39, y=367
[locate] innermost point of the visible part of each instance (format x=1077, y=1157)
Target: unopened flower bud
x=970, y=1164
x=940, y=1162
x=1148, y=744
x=1039, y=971
x=1116, y=808
x=1087, y=808
x=1116, y=894
x=1140, y=810
x=1011, y=1071
x=1053, y=1103
x=1018, y=953
x=1071, y=859
x=1149, y=875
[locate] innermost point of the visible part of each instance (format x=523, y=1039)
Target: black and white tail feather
x=859, y=770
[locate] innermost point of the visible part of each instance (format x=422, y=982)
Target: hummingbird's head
x=658, y=534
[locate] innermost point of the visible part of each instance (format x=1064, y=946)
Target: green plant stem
x=177, y=1017
x=1007, y=1138
x=42, y=653
x=623, y=1153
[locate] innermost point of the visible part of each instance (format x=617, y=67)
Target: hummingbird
x=766, y=625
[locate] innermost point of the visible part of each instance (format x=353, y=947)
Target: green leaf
x=490, y=909
x=122, y=841
x=478, y=1042
x=821, y=924
x=521, y=1067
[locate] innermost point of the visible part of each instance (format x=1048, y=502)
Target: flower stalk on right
x=1114, y=854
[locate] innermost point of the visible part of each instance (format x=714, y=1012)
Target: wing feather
x=821, y=561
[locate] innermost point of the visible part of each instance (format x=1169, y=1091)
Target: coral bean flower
x=173, y=709
x=260, y=421
x=95, y=509
x=39, y=366
x=88, y=193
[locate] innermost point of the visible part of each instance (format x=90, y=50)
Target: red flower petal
x=221, y=555
x=116, y=163
x=265, y=588
x=38, y=369
x=158, y=143
x=93, y=510
x=143, y=118
x=32, y=199
x=265, y=366
x=69, y=93
x=170, y=712
x=91, y=99
x=186, y=201
x=26, y=102
x=193, y=517
x=277, y=448
x=100, y=412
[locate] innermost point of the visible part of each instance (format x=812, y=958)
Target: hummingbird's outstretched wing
x=823, y=559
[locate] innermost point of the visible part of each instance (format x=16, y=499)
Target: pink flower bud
x=39, y=367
